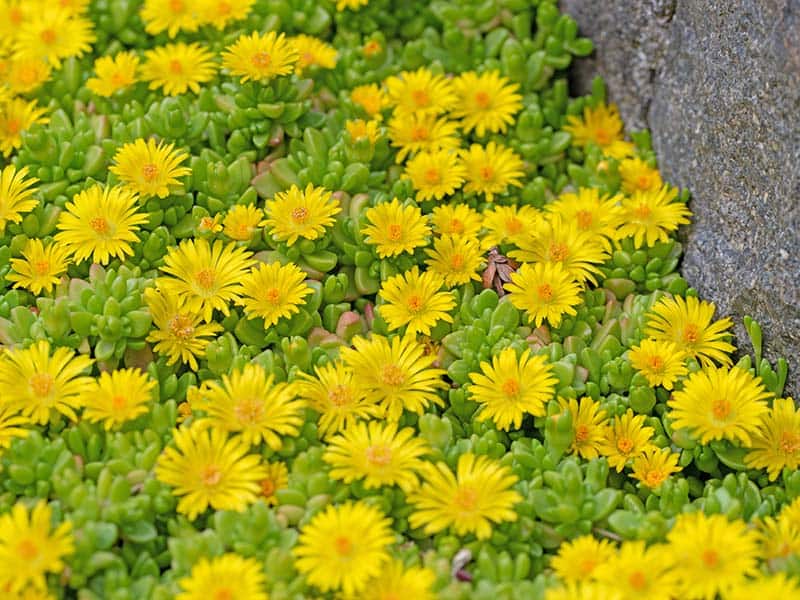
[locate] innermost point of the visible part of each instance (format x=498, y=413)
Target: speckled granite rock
x=718, y=84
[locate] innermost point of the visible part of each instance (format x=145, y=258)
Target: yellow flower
x=458, y=220
x=413, y=133
x=228, y=577
x=420, y=92
x=40, y=267
x=602, y=126
x=479, y=494
x=16, y=116
x=332, y=393
x=654, y=465
x=638, y=176
x=300, y=213
x=394, y=228
x=73, y=7
x=711, y=554
x=171, y=16
x=100, y=223
x=687, y=322
x=359, y=129
x=720, y=403
x=149, y=169
x=209, y=224
x=117, y=397
x=351, y=4
x=588, y=426
x=455, y=259
x=582, y=591
x=114, y=73
x=660, y=361
x=205, y=468
x=486, y=102
x=16, y=195
x=53, y=34
x=260, y=57
x=776, y=444
x=491, y=169
x=435, y=175
x=396, y=374
x=778, y=538
x=396, y=581
x=26, y=75
x=13, y=13
x=312, y=52
x=546, y=291
x=578, y=560
x=273, y=292
x=177, y=332
x=371, y=99
x=778, y=585
x=414, y=300
x=30, y=548
x=251, y=403
x=509, y=224
x=791, y=512
x=650, y=217
x=241, y=222
x=220, y=13
x=40, y=385
x=343, y=547
x=277, y=479
x=638, y=572
x=176, y=68
x=10, y=421
x=511, y=387
x=590, y=212
x=377, y=453
x=207, y=277
x=626, y=438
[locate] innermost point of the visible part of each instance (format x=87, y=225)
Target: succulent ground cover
x=313, y=299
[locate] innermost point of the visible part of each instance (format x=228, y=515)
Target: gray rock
x=718, y=84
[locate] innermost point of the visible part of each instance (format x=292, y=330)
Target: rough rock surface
x=718, y=84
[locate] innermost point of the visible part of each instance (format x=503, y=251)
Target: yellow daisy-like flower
x=394, y=228
x=590, y=212
x=39, y=385
x=117, y=397
x=458, y=220
x=177, y=332
x=395, y=374
x=625, y=439
x=176, y=68
x=10, y=421
x=273, y=292
x=660, y=361
x=17, y=115
x=377, y=453
x=486, y=102
x=241, y=222
x=414, y=300
x=491, y=169
x=778, y=585
x=511, y=387
x=40, y=267
x=260, y=57
x=100, y=223
x=778, y=539
x=578, y=560
x=435, y=175
x=209, y=224
x=546, y=291
x=776, y=444
x=509, y=224
x=413, y=133
x=602, y=126
x=479, y=494
x=277, y=479
x=420, y=92
x=207, y=277
x=589, y=424
x=300, y=213
x=26, y=75
x=221, y=13
x=791, y=512
x=226, y=577
x=251, y=403
x=359, y=129
x=171, y=16
x=711, y=554
x=30, y=548
x=149, y=169
x=73, y=7
x=113, y=74
x=720, y=403
x=13, y=13
x=371, y=98
x=654, y=465
x=397, y=581
x=332, y=392
x=206, y=468
x=638, y=176
x=53, y=35
x=16, y=195
x=582, y=591
x=351, y=4
x=343, y=547
x=687, y=322
x=637, y=572
x=312, y=52
x=650, y=217
x=455, y=259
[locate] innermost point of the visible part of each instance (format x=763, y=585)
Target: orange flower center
x=176, y=6
x=205, y=279
x=457, y=262
x=224, y=8
x=624, y=445
x=249, y=410
x=558, y=251
x=27, y=550
x=394, y=232
x=642, y=211
x=41, y=384
x=343, y=545
x=299, y=214
x=691, y=334
x=175, y=66
x=371, y=48
x=307, y=59
x=414, y=303
x=601, y=136
x=118, y=402
x=181, y=327
x=184, y=410
x=487, y=172
x=28, y=76
x=15, y=16
x=267, y=487
x=13, y=126
x=419, y=133
x=587, y=566
x=119, y=79
x=379, y=455
x=545, y=292
x=638, y=580
x=99, y=224
x=584, y=218
x=510, y=387
x=41, y=267
x=273, y=296
x=513, y=225
x=211, y=476
x=223, y=594
x=790, y=443
x=654, y=478
x=261, y=60
x=432, y=176
x=420, y=97
x=710, y=558
x=392, y=375
x=483, y=100
x=456, y=226
x=643, y=182
x=48, y=36
x=149, y=172
x=207, y=223
x=581, y=433
x=466, y=498
x=339, y=396
x=721, y=409
x=656, y=363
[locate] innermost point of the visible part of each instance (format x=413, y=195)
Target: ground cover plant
x=313, y=299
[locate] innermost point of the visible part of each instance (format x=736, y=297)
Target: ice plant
x=650, y=216
x=371, y=99
x=546, y=291
x=12, y=426
x=436, y=174
x=300, y=213
x=638, y=176
x=229, y=576
x=654, y=465
x=54, y=35
x=491, y=169
x=114, y=73
x=512, y=224
x=486, y=102
x=579, y=560
x=394, y=228
x=415, y=301
x=457, y=220
x=420, y=92
x=17, y=115
x=241, y=222
x=149, y=169
x=776, y=444
x=221, y=13
x=178, y=68
x=277, y=478
x=588, y=426
x=638, y=571
x=661, y=362
x=16, y=195
x=415, y=133
x=40, y=267
x=117, y=397
x=26, y=75
x=172, y=16
x=626, y=438
x=273, y=292
x=602, y=126
x=312, y=52
x=589, y=211
x=260, y=57
x=455, y=259
x=399, y=581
